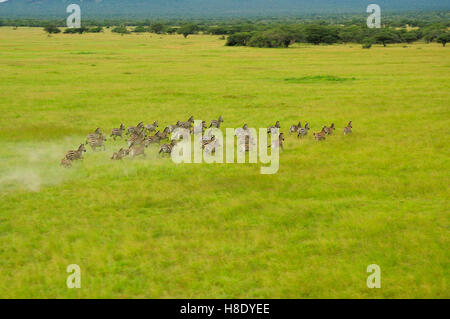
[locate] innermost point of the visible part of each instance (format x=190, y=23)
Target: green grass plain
x=153, y=229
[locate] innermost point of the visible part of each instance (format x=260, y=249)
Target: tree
x=140, y=29
x=352, y=34
x=410, y=37
x=385, y=37
x=367, y=43
x=317, y=34
x=443, y=38
x=187, y=29
x=52, y=29
x=238, y=39
x=121, y=30
x=157, y=28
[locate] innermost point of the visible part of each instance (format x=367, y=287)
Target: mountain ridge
x=205, y=8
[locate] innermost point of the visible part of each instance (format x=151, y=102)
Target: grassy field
x=150, y=228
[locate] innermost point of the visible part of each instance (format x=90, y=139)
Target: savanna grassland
x=151, y=228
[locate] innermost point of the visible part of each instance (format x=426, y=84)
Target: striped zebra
x=75, y=155
x=294, y=128
x=207, y=141
x=97, y=131
x=211, y=148
x=200, y=128
x=151, y=127
x=151, y=140
x=136, y=150
x=276, y=126
x=117, y=132
x=278, y=143
x=136, y=139
x=171, y=128
x=164, y=135
x=120, y=154
x=135, y=129
x=329, y=130
x=96, y=141
x=216, y=123
x=321, y=135
x=246, y=145
x=348, y=128
x=167, y=148
x=187, y=124
x=303, y=131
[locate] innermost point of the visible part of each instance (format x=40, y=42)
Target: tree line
x=285, y=35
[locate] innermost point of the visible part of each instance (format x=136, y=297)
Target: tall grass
x=150, y=228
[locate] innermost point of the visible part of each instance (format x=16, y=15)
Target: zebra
x=135, y=129
x=117, y=132
x=187, y=124
x=96, y=141
x=120, y=154
x=151, y=127
x=167, y=148
x=199, y=129
x=97, y=131
x=216, y=123
x=207, y=140
x=164, y=134
x=294, y=128
x=211, y=147
x=171, y=128
x=247, y=144
x=277, y=125
x=66, y=163
x=348, y=128
x=136, y=138
x=76, y=155
x=278, y=143
x=136, y=150
x=303, y=131
x=321, y=135
x=151, y=139
x=329, y=130
x=242, y=131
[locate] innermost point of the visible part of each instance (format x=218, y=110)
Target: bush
x=171, y=30
x=188, y=29
x=52, y=29
x=317, y=34
x=140, y=29
x=238, y=39
x=367, y=44
x=157, y=28
x=76, y=30
x=95, y=30
x=121, y=29
x=387, y=36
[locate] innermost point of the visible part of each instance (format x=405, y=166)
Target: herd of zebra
x=140, y=137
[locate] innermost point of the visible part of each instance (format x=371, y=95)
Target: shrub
x=157, y=28
x=121, y=29
x=52, y=29
x=317, y=34
x=367, y=44
x=95, y=29
x=187, y=29
x=238, y=39
x=140, y=29
x=76, y=30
